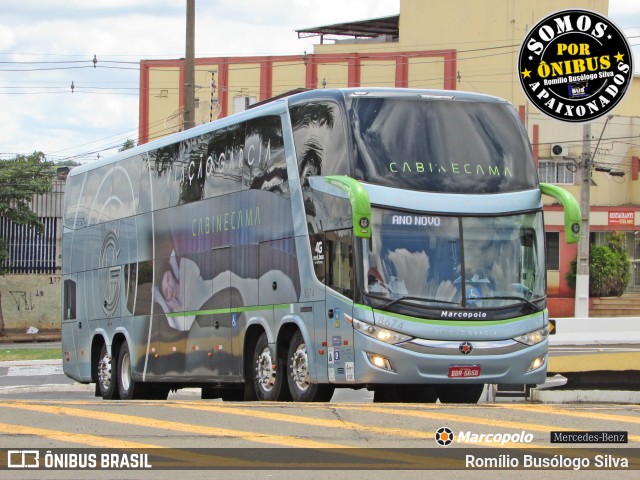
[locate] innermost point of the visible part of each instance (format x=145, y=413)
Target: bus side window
x=320, y=139
x=339, y=261
x=265, y=159
x=69, y=306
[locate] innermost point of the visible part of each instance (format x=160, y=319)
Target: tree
x=609, y=268
x=127, y=145
x=21, y=178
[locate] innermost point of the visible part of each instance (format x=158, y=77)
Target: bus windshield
x=441, y=145
x=433, y=259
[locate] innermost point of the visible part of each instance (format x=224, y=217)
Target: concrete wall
x=30, y=300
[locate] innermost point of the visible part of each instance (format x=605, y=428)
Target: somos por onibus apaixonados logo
x=575, y=65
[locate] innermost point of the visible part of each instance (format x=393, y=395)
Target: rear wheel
x=300, y=386
x=106, y=375
x=268, y=372
x=469, y=393
x=128, y=388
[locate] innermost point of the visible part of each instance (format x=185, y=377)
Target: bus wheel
x=386, y=394
x=128, y=388
x=106, y=375
x=460, y=393
x=302, y=390
x=418, y=394
x=267, y=371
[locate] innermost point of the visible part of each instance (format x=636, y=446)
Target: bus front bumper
x=377, y=362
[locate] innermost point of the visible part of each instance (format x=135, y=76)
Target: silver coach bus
x=359, y=238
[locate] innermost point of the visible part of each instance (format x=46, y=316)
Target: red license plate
x=464, y=372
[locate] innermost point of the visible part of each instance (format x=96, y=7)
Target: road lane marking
x=610, y=417
x=185, y=458
x=279, y=440
x=298, y=419
x=477, y=421
x=325, y=423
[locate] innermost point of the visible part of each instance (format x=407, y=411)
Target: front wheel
x=405, y=394
x=302, y=390
x=469, y=393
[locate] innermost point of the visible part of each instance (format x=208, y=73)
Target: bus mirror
x=360, y=203
x=572, y=216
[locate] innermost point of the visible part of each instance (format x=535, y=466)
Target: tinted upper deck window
x=441, y=145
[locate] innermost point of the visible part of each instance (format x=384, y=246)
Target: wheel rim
x=104, y=371
x=300, y=368
x=265, y=373
x=125, y=372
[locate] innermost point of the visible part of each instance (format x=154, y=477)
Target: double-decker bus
x=389, y=239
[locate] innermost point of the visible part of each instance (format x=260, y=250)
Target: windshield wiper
x=531, y=305
x=417, y=299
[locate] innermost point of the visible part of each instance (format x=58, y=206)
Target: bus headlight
x=382, y=334
x=535, y=337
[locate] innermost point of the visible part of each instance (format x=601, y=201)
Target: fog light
x=379, y=361
x=537, y=363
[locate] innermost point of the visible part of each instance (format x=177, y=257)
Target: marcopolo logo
x=444, y=437
x=575, y=65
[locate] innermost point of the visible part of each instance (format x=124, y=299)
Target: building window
x=556, y=172
x=552, y=250
x=242, y=103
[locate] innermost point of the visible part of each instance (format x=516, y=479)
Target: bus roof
x=279, y=106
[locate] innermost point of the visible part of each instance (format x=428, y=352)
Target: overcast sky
x=45, y=45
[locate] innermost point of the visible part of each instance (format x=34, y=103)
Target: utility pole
x=582, y=266
x=189, y=67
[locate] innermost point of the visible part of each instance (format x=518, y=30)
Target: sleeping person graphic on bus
x=182, y=289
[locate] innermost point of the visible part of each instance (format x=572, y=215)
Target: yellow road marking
x=325, y=423
x=88, y=440
x=280, y=440
x=299, y=419
x=610, y=417
x=478, y=421
x=80, y=438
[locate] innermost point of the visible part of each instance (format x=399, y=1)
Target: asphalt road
x=41, y=409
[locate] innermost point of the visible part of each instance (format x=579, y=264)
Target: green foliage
x=609, y=268
x=127, y=145
x=21, y=178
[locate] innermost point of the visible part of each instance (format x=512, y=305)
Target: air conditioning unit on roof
x=559, y=150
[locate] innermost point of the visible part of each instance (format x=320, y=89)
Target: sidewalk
x=15, y=336
x=31, y=376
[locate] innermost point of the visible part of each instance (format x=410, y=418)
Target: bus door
x=75, y=332
x=339, y=280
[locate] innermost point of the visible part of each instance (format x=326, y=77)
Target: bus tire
x=469, y=393
x=386, y=394
x=106, y=375
x=298, y=378
x=128, y=388
x=267, y=380
x=417, y=394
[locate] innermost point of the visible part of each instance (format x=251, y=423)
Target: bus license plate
x=464, y=372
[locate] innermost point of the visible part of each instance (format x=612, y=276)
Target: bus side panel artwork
x=199, y=292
